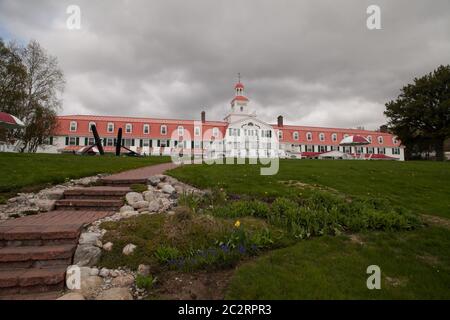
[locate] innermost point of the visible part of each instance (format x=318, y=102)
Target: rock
x=143, y=270
x=126, y=208
x=154, y=180
x=94, y=272
x=149, y=196
x=104, y=272
x=133, y=197
x=167, y=188
x=87, y=255
x=179, y=189
x=72, y=296
x=123, y=281
x=154, y=206
x=108, y=246
x=165, y=205
x=114, y=273
x=128, y=214
x=128, y=249
x=90, y=238
x=82, y=282
x=140, y=204
x=45, y=205
x=115, y=294
x=56, y=194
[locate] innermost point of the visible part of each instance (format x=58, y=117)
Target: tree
x=420, y=116
x=30, y=89
x=13, y=76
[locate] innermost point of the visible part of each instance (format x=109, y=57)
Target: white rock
x=94, y=272
x=140, y=204
x=149, y=196
x=126, y=208
x=108, y=246
x=143, y=270
x=115, y=294
x=104, y=272
x=87, y=255
x=154, y=206
x=133, y=197
x=90, y=238
x=167, y=188
x=123, y=281
x=128, y=249
x=55, y=194
x=128, y=214
x=154, y=180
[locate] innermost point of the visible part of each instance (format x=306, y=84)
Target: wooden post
x=98, y=142
x=119, y=142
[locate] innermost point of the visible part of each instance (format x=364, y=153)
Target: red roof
x=239, y=98
x=239, y=86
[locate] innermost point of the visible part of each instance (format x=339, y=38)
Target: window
x=197, y=131
x=110, y=142
x=180, y=131
x=370, y=150
x=73, y=126
x=110, y=127
x=145, y=143
x=396, y=151
x=381, y=151
x=216, y=132
x=128, y=128
x=73, y=141
x=90, y=126
x=91, y=141
x=380, y=140
x=242, y=108
x=309, y=148
x=334, y=137
x=309, y=136
x=146, y=129
x=295, y=135
x=359, y=150
x=369, y=138
x=280, y=134
x=322, y=137
x=394, y=140
x=345, y=135
x=163, y=130
x=322, y=149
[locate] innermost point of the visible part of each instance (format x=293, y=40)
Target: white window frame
x=180, y=131
x=130, y=126
x=395, y=140
x=163, y=130
x=295, y=135
x=321, y=136
x=334, y=137
x=110, y=124
x=369, y=138
x=380, y=140
x=90, y=125
x=197, y=131
x=73, y=124
x=280, y=134
x=215, y=132
x=145, y=128
x=309, y=136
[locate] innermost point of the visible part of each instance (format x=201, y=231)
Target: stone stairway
x=35, y=251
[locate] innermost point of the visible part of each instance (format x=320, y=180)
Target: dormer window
x=163, y=130
x=295, y=135
x=215, y=132
x=280, y=134
x=180, y=131
x=197, y=131
x=369, y=138
x=73, y=126
x=394, y=140
x=380, y=140
x=110, y=127
x=334, y=137
x=90, y=126
x=128, y=128
x=322, y=137
x=146, y=129
x=309, y=136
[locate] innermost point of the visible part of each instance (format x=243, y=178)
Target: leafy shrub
x=144, y=282
x=166, y=253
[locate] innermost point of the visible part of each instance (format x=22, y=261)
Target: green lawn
x=414, y=264
x=421, y=186
x=34, y=171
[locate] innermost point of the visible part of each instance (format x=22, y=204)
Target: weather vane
x=239, y=77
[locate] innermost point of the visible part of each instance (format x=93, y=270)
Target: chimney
x=280, y=121
x=203, y=116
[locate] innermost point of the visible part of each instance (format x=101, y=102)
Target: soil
x=200, y=285
x=437, y=221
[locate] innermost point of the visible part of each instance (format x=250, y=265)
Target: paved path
x=142, y=173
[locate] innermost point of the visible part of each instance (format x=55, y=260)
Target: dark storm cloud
x=313, y=61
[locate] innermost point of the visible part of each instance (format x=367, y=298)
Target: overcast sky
x=315, y=62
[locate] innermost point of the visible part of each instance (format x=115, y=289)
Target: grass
x=420, y=186
x=414, y=265
x=29, y=172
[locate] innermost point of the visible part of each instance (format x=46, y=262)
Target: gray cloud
x=313, y=61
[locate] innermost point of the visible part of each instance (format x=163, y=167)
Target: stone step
x=38, y=234
x=89, y=204
x=34, y=280
x=104, y=192
x=30, y=254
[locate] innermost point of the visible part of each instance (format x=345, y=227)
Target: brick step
x=52, y=295
x=64, y=262
x=31, y=254
x=122, y=182
x=105, y=193
x=36, y=243
x=34, y=280
x=38, y=234
x=88, y=204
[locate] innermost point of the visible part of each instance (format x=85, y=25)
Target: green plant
x=139, y=187
x=166, y=253
x=144, y=282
